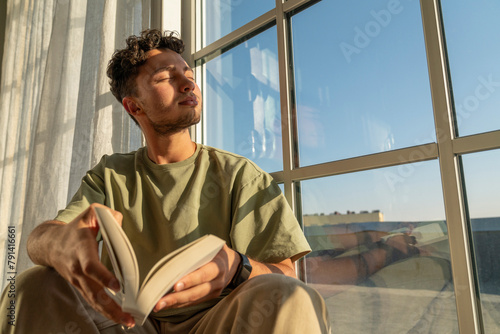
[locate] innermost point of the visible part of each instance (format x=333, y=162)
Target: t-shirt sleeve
x=91, y=191
x=264, y=226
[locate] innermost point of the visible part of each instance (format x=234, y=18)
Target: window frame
x=447, y=149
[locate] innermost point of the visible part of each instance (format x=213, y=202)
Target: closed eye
x=163, y=78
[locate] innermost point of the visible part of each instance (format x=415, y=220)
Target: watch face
x=242, y=273
x=246, y=268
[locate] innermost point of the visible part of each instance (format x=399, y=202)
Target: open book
x=139, y=301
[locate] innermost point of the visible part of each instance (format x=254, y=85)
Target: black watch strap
x=242, y=273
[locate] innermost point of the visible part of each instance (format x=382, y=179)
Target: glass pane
x=361, y=79
x=241, y=99
x=380, y=249
x=220, y=17
x=282, y=187
x=472, y=32
x=482, y=181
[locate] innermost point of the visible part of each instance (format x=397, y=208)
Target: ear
x=130, y=105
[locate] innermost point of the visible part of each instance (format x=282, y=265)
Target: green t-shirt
x=212, y=192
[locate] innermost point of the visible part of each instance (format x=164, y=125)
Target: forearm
x=72, y=250
x=285, y=267
x=41, y=241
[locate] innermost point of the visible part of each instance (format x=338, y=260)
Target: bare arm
x=285, y=267
x=40, y=240
x=72, y=250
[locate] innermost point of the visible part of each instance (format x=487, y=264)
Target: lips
x=189, y=101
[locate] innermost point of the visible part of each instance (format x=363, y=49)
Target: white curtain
x=57, y=116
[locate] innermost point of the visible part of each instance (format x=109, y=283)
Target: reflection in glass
x=241, y=98
x=220, y=17
x=380, y=250
x=472, y=32
x=361, y=79
x=482, y=182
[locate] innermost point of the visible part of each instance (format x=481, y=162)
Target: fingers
x=91, y=217
x=100, y=274
x=192, y=296
x=97, y=297
x=211, y=273
x=82, y=249
x=216, y=271
x=203, y=284
x=118, y=216
x=85, y=278
x=207, y=273
x=90, y=279
x=78, y=262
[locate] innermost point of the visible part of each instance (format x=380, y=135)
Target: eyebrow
x=170, y=69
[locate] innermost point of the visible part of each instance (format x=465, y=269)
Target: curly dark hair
x=124, y=64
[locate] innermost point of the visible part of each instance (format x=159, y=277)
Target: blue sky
x=365, y=83
x=362, y=87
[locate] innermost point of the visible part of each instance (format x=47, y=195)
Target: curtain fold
x=57, y=116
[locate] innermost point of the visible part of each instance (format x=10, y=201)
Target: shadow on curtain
x=57, y=116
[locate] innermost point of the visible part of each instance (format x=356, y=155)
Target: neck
x=169, y=149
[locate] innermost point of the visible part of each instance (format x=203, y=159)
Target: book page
x=167, y=258
x=120, y=252
x=172, y=268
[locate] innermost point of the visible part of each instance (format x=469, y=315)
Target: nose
x=187, y=85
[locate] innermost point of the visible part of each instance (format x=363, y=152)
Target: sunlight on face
x=167, y=93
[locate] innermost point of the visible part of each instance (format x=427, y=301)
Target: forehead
x=159, y=59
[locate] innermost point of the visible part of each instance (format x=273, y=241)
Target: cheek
x=163, y=96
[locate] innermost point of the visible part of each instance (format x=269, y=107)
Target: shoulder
x=241, y=167
x=118, y=159
x=228, y=158
x=118, y=162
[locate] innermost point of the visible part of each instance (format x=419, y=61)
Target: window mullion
x=460, y=251
x=285, y=102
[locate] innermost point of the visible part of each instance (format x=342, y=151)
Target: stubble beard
x=168, y=128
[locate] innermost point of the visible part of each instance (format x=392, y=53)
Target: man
x=165, y=195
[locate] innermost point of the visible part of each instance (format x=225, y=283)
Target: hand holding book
x=140, y=300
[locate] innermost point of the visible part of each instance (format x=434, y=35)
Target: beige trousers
x=45, y=303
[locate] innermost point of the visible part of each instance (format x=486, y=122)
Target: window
x=221, y=17
x=482, y=181
x=348, y=265
x=473, y=61
x=361, y=87
x=380, y=122
x=242, y=94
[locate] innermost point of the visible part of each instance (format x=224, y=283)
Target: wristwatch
x=242, y=273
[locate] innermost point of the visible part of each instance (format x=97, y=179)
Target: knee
x=279, y=288
x=36, y=273
x=283, y=303
x=36, y=280
x=274, y=282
